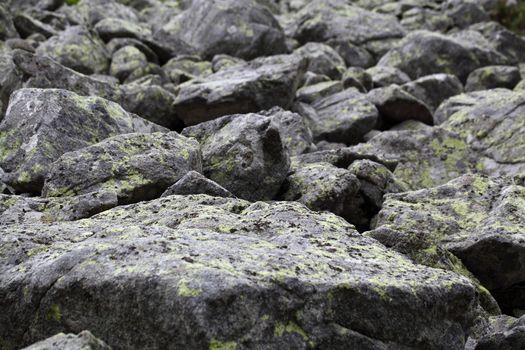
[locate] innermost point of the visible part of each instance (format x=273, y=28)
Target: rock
x=434, y=89
x=41, y=125
x=504, y=41
x=27, y=25
x=260, y=84
x=396, y=106
x=90, y=12
x=492, y=77
x=182, y=69
x=423, y=53
x=322, y=59
x=110, y=28
x=78, y=49
x=216, y=272
x=322, y=20
x=311, y=93
x=11, y=79
x=240, y=28
x=220, y=62
x=511, y=335
x=313, y=79
x=492, y=126
x=426, y=157
x=84, y=340
x=354, y=56
x=151, y=102
x=478, y=219
x=321, y=186
x=358, y=78
x=136, y=167
x=386, y=76
x=195, y=183
x=243, y=153
x=343, y=117
x=127, y=60
x=7, y=28
x=117, y=43
x=466, y=13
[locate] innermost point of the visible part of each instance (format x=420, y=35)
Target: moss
x=222, y=345
x=185, y=291
x=55, y=313
x=24, y=177
x=291, y=327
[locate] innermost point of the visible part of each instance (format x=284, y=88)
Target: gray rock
x=90, y=12
x=77, y=49
x=478, y=219
x=182, y=69
x=358, y=78
x=504, y=41
x=426, y=19
x=343, y=117
x=151, y=102
x=243, y=153
x=466, y=13
x=322, y=59
x=110, y=28
x=434, y=89
x=240, y=28
x=127, y=60
x=7, y=28
x=396, y=106
x=117, y=43
x=10, y=79
x=260, y=84
x=26, y=25
x=41, y=125
x=509, y=336
x=196, y=183
x=312, y=93
x=493, y=77
x=136, y=167
x=423, y=53
x=199, y=272
x=386, y=76
x=322, y=20
x=82, y=341
x=354, y=56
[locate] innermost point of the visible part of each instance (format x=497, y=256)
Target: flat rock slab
x=201, y=272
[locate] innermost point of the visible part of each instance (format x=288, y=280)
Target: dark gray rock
x=27, y=25
x=182, y=69
x=243, y=153
x=7, y=28
x=82, y=341
x=434, y=89
x=110, y=28
x=315, y=92
x=396, y=106
x=322, y=59
x=240, y=28
x=343, y=117
x=41, y=125
x=11, y=78
x=358, y=78
x=504, y=41
x=260, y=84
x=199, y=272
x=466, y=13
x=386, y=76
x=77, y=49
x=492, y=77
x=136, y=167
x=510, y=335
x=127, y=60
x=354, y=56
x=423, y=53
x=195, y=183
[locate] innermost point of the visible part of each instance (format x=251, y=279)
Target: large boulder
x=77, y=49
x=240, y=28
x=480, y=220
x=136, y=167
x=200, y=272
x=257, y=85
x=151, y=102
x=243, y=153
x=423, y=53
x=82, y=341
x=42, y=124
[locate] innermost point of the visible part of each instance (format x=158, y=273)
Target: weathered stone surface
x=10, y=79
x=196, y=183
x=90, y=12
x=136, y=167
x=41, y=125
x=493, y=77
x=7, y=28
x=478, y=219
x=426, y=157
x=396, y=106
x=260, y=84
x=423, y=53
x=125, y=61
x=171, y=273
x=385, y=76
x=358, y=78
x=243, y=153
x=181, y=69
x=505, y=42
x=83, y=341
x=493, y=126
x=322, y=59
x=434, y=89
x=240, y=28
x=77, y=49
x=504, y=333
x=322, y=20
x=110, y=28
x=343, y=117
x=311, y=93
x=151, y=102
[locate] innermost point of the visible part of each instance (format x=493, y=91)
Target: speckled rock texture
x=262, y=174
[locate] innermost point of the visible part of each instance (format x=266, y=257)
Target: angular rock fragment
x=260, y=84
x=434, y=89
x=493, y=77
x=243, y=153
x=136, y=167
x=240, y=28
x=83, y=341
x=196, y=183
x=322, y=59
x=42, y=124
x=199, y=272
